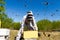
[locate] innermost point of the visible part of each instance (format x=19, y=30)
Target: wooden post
x=0, y=23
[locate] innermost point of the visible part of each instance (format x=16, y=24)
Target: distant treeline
x=47, y=25
x=43, y=25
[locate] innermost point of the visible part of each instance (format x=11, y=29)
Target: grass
x=13, y=34
x=53, y=35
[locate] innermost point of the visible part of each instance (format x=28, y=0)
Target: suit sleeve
x=21, y=29
x=34, y=24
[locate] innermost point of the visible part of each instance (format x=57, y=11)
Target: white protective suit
x=32, y=25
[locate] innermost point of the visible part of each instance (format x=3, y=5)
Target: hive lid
x=4, y=31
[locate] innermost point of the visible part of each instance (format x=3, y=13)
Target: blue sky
x=16, y=9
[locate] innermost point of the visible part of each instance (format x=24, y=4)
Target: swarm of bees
x=45, y=3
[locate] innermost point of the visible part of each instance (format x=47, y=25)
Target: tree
x=1, y=8
x=2, y=2
x=56, y=25
x=16, y=25
x=44, y=25
x=7, y=23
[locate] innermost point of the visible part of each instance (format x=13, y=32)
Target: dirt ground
x=43, y=35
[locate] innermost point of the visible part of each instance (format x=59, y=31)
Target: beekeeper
x=28, y=23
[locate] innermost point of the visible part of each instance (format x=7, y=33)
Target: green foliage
x=2, y=2
x=44, y=25
x=16, y=25
x=1, y=8
x=7, y=22
x=3, y=16
x=56, y=25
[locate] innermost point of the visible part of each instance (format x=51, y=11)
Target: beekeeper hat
x=30, y=12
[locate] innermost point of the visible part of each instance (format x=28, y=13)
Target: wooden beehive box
x=30, y=34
